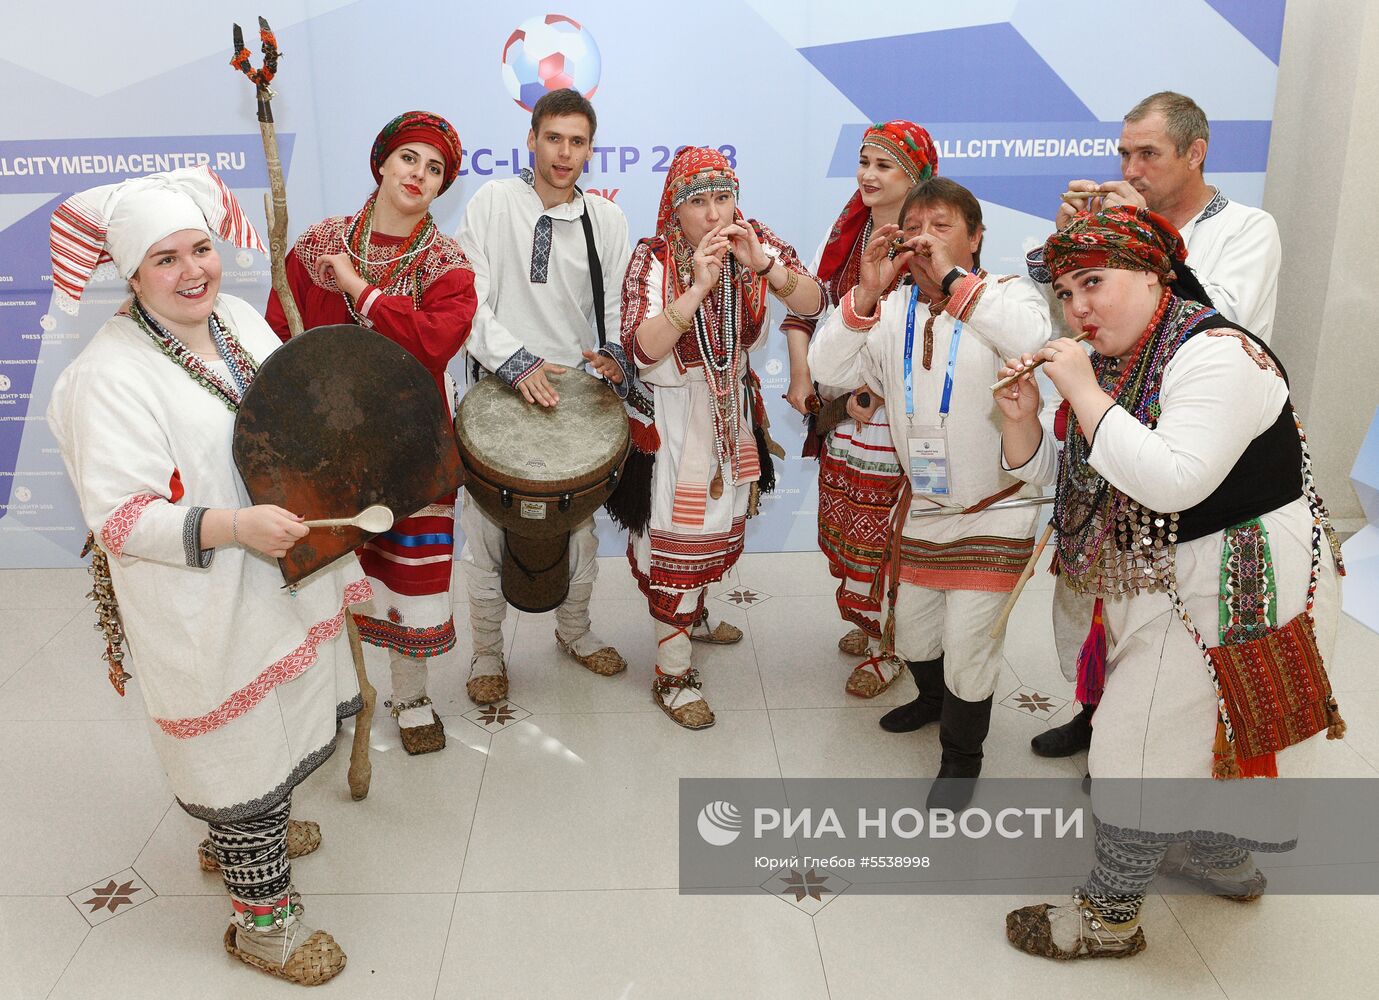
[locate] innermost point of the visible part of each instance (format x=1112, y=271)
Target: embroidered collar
x=1217, y=203
x=529, y=178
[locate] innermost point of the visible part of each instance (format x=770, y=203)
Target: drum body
x=338, y=419
x=539, y=473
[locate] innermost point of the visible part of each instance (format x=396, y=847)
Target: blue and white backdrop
x=1020, y=95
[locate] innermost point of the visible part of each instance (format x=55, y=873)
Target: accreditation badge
x=929, y=462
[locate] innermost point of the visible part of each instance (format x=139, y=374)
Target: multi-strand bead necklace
x=395, y=269
x=1087, y=510
x=720, y=350
x=241, y=366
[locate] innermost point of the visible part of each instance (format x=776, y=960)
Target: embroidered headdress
x=911, y=146
x=1129, y=239
x=119, y=222
x=418, y=126
x=695, y=170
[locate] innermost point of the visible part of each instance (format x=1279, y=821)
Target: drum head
x=336, y=420
x=511, y=441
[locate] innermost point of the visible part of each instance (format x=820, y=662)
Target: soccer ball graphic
x=550, y=53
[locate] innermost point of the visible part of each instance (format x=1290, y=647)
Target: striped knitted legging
x=1125, y=867
x=253, y=856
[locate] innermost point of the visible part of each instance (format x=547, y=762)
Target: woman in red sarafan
x=389, y=268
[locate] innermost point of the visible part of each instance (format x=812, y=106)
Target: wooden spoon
x=374, y=519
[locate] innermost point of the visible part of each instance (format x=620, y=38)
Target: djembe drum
x=539, y=473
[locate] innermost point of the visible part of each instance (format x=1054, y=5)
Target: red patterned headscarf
x=418, y=126
x=694, y=170
x=1126, y=238
x=911, y=146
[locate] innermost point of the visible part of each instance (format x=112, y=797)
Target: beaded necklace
x=237, y=360
x=1108, y=544
x=397, y=268
x=720, y=354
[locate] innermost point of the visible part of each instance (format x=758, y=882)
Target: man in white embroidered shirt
x=533, y=241
x=1233, y=249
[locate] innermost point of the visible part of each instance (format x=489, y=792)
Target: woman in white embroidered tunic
x=1184, y=502
x=244, y=681
x=694, y=304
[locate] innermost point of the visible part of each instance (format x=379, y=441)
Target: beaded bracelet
x=234, y=526
x=676, y=320
x=770, y=263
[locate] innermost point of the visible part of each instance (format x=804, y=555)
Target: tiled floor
x=537, y=855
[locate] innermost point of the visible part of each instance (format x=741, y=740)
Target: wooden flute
x=1011, y=379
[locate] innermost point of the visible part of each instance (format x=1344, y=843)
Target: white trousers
x=955, y=623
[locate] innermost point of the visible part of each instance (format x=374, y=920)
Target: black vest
x=1268, y=474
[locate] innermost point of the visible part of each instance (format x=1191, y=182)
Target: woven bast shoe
x=303, y=837
x=721, y=634
x=692, y=714
x=855, y=643
x=487, y=688
x=1243, y=884
x=873, y=676
x=605, y=662
x=316, y=960
x=1068, y=932
x=418, y=740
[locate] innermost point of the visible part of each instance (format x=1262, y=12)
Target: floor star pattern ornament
x=1033, y=703
x=497, y=715
x=808, y=883
x=112, y=896
x=741, y=596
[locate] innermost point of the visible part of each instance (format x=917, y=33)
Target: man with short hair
x=526, y=239
x=1233, y=249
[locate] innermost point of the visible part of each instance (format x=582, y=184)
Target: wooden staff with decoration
x=275, y=209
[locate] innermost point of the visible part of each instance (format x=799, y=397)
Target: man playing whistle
x=933, y=347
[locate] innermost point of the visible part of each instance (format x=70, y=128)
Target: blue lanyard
x=948, y=376
x=946, y=403
x=909, y=352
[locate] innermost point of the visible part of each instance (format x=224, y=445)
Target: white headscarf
x=119, y=222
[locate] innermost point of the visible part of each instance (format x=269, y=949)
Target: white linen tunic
x=243, y=680
x=1001, y=317
x=551, y=320
x=1157, y=717
x=519, y=323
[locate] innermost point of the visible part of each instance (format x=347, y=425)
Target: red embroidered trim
x=1260, y=358
x=852, y=320
x=119, y=525
x=963, y=296
x=290, y=667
